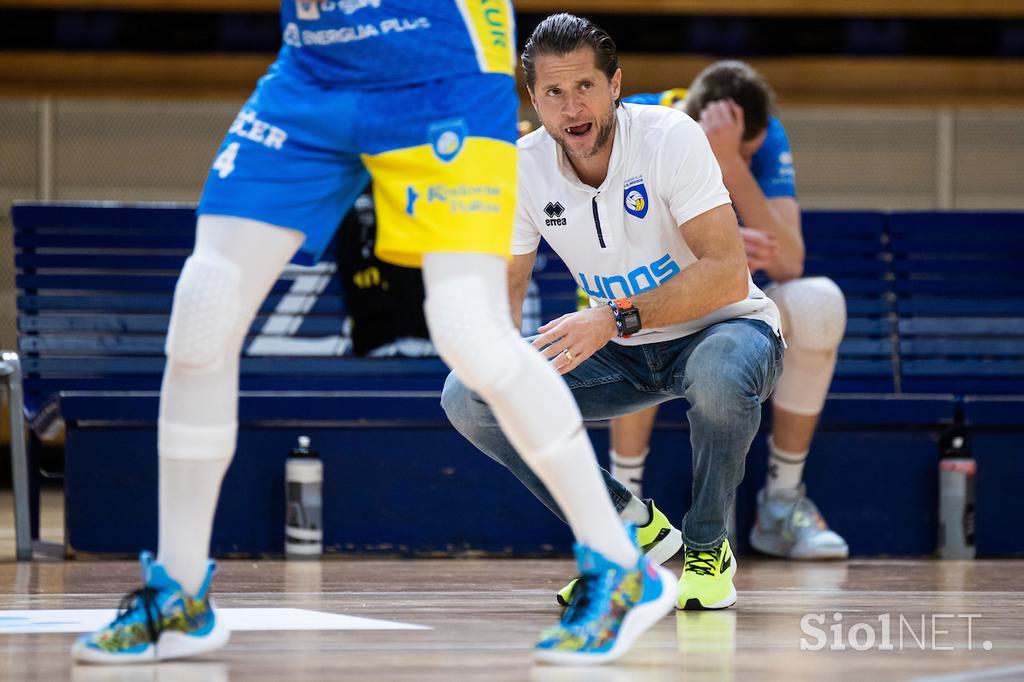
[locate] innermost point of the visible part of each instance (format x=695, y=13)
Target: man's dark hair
x=563, y=33
x=739, y=82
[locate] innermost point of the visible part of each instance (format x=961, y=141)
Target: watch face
x=630, y=321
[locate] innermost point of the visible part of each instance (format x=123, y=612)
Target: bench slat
x=865, y=347
x=965, y=347
x=976, y=268
x=963, y=326
x=847, y=367
x=859, y=326
x=955, y=369
x=831, y=267
x=148, y=283
x=971, y=307
x=100, y=261
x=102, y=215
x=271, y=367
x=997, y=287
x=151, y=324
x=154, y=303
x=105, y=242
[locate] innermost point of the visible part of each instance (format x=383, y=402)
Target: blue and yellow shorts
x=441, y=154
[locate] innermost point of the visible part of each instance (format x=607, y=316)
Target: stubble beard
x=604, y=133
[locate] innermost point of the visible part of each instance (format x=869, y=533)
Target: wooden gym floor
x=485, y=614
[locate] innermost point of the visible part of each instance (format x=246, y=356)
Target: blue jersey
x=772, y=165
x=380, y=43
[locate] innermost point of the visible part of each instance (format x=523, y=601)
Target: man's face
x=750, y=147
x=576, y=101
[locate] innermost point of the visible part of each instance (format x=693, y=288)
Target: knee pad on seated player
x=813, y=313
x=476, y=341
x=814, y=318
x=206, y=315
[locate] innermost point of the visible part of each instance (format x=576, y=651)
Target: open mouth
x=579, y=130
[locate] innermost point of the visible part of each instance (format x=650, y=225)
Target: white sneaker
x=790, y=526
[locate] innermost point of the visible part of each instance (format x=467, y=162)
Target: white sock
x=188, y=499
x=629, y=471
x=636, y=512
x=570, y=473
x=785, y=469
x=199, y=406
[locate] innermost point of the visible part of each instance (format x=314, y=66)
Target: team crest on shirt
x=307, y=10
x=447, y=138
x=635, y=197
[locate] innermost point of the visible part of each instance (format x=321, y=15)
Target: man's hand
x=722, y=121
x=762, y=248
x=581, y=333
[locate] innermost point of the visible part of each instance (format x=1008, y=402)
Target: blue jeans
x=724, y=372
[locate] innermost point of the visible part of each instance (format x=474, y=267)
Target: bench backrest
x=935, y=304
x=95, y=285
x=959, y=297
x=850, y=248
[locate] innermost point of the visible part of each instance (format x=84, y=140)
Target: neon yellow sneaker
x=706, y=582
x=659, y=541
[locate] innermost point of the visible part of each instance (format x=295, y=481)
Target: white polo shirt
x=623, y=237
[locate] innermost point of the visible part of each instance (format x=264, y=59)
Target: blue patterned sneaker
x=155, y=623
x=612, y=607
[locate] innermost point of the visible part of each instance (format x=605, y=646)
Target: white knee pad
x=476, y=341
x=813, y=313
x=468, y=316
x=206, y=314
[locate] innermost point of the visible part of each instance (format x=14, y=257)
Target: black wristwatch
x=627, y=317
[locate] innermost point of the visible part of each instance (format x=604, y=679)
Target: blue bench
x=959, y=296
x=850, y=248
x=95, y=285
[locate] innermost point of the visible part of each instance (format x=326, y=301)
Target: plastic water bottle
x=304, y=475
x=956, y=493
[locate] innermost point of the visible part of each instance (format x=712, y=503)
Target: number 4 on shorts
x=224, y=164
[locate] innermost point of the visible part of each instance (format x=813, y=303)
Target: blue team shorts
x=442, y=156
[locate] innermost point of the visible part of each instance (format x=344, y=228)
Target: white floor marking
x=238, y=620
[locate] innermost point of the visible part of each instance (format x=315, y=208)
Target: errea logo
x=554, y=211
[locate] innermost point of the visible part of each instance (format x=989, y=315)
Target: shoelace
x=590, y=590
x=144, y=598
x=701, y=561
